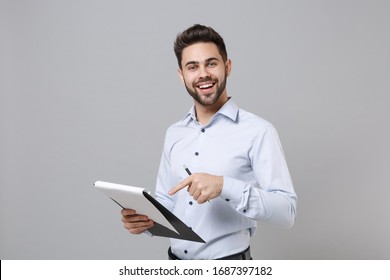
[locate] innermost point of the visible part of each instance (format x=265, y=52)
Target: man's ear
x=228, y=67
x=180, y=72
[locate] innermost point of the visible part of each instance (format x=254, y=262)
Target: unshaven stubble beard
x=208, y=100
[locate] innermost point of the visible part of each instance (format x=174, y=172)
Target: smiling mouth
x=206, y=85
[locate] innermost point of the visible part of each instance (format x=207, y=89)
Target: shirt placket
x=195, y=166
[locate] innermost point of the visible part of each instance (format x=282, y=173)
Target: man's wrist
x=220, y=184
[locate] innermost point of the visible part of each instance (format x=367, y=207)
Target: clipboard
x=166, y=223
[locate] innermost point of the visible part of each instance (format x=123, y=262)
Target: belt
x=244, y=255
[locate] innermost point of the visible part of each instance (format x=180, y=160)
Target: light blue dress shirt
x=246, y=151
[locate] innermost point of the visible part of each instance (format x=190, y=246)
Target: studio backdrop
x=88, y=88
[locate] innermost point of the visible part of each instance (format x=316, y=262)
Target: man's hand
x=201, y=186
x=134, y=222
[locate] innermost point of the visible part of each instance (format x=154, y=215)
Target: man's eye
x=212, y=64
x=191, y=68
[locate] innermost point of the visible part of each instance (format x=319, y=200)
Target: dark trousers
x=244, y=255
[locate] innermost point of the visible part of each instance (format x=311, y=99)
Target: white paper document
x=133, y=198
x=139, y=199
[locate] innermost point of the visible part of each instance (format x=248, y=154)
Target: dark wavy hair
x=198, y=34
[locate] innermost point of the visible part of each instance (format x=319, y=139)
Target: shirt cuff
x=232, y=190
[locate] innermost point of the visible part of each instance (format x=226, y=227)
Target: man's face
x=204, y=73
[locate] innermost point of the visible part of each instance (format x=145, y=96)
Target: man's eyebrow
x=191, y=62
x=197, y=62
x=211, y=59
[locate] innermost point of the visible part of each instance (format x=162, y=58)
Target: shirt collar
x=229, y=110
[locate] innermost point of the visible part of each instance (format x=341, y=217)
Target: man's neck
x=205, y=113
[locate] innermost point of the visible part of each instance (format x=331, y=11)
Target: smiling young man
x=236, y=159
x=204, y=73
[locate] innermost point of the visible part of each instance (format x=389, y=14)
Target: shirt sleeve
x=272, y=197
x=164, y=179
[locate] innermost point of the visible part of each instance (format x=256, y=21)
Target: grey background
x=89, y=87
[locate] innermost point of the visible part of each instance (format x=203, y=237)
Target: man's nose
x=204, y=72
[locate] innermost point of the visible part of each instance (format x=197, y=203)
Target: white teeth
x=205, y=86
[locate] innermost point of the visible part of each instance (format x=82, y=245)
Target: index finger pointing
x=180, y=186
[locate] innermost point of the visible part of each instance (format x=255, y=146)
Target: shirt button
x=197, y=154
x=185, y=252
x=227, y=199
x=190, y=202
x=203, y=130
